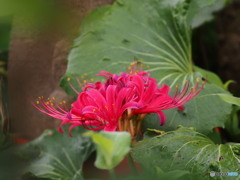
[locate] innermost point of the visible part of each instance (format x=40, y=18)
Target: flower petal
x=162, y=118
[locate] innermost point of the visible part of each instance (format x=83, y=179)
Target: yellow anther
x=82, y=77
x=140, y=60
x=51, y=104
x=37, y=102
x=91, y=79
x=39, y=97
x=85, y=81
x=53, y=98
x=197, y=80
x=129, y=68
x=47, y=103
x=176, y=85
x=68, y=79
x=60, y=103
x=131, y=64
x=48, y=98
x=64, y=102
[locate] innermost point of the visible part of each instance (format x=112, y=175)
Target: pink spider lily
x=95, y=109
x=120, y=103
x=152, y=99
x=104, y=107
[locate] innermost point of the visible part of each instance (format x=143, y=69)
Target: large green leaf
x=157, y=31
x=53, y=155
x=204, y=112
x=111, y=147
x=186, y=149
x=61, y=156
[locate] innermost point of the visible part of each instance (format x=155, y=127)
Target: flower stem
x=131, y=164
x=112, y=174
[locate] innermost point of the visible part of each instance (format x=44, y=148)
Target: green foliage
x=232, y=125
x=170, y=175
x=226, y=84
x=52, y=155
x=111, y=147
x=230, y=99
x=186, y=149
x=204, y=112
x=159, y=32
x=210, y=76
x=205, y=13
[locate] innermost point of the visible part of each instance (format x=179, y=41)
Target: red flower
x=150, y=98
x=154, y=99
x=103, y=108
x=120, y=103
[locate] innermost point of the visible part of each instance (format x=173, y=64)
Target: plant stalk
x=131, y=164
x=112, y=174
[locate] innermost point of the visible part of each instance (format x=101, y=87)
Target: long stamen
x=73, y=88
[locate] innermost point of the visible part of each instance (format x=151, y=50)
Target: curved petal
x=150, y=91
x=162, y=118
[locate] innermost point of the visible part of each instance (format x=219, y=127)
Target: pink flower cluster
x=120, y=103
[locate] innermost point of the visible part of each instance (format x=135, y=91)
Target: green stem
x=112, y=174
x=131, y=164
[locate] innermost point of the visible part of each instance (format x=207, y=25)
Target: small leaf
x=230, y=99
x=111, y=147
x=186, y=149
x=226, y=84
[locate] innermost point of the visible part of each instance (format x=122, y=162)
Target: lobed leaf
x=186, y=149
